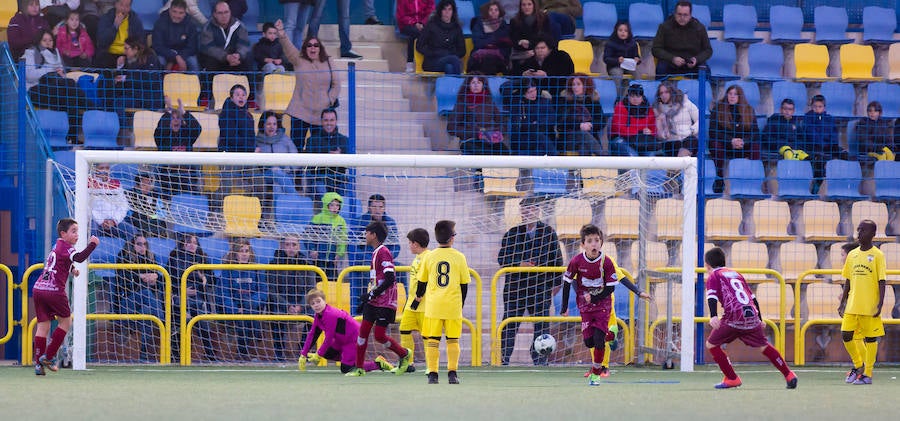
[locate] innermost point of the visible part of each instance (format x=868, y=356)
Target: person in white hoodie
x=677, y=121
x=47, y=84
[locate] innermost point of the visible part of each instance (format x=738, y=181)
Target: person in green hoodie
x=327, y=235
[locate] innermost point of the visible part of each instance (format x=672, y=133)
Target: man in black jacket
x=175, y=39
x=681, y=44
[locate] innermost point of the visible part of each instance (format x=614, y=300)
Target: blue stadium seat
x=264, y=249
x=879, y=25
x=840, y=98
x=251, y=20
x=465, y=10
x=190, y=207
x=793, y=90
x=215, y=248
x=107, y=252
x=765, y=62
x=66, y=158
x=351, y=208
x=709, y=179
x=794, y=179
x=888, y=95
x=148, y=11
x=645, y=19
x=55, y=125
x=746, y=178
x=751, y=92
x=843, y=179
x=656, y=185
x=701, y=13
x=292, y=212
x=608, y=94
x=445, y=90
x=494, y=84
x=831, y=25
x=599, y=20
x=549, y=181
x=161, y=247
x=101, y=129
x=721, y=64
x=886, y=175
x=691, y=88
x=650, y=88
x=740, y=22
x=786, y=24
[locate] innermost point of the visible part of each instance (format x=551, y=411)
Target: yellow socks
x=452, y=354
x=871, y=353
x=432, y=354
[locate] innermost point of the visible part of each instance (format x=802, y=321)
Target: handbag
x=337, y=101
x=491, y=136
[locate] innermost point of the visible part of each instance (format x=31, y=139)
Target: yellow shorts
x=867, y=326
x=612, y=315
x=411, y=320
x=433, y=328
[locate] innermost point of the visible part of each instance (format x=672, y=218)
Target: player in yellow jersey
x=443, y=283
x=861, y=301
x=412, y=318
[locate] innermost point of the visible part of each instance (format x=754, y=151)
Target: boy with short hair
x=340, y=330
x=328, y=244
x=267, y=52
x=741, y=319
x=820, y=138
x=413, y=319
x=49, y=293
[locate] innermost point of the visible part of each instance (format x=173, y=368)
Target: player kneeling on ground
x=341, y=331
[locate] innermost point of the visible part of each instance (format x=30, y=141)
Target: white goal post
x=687, y=167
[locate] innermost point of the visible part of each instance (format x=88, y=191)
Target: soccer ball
x=544, y=344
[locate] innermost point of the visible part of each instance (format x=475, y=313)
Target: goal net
x=159, y=214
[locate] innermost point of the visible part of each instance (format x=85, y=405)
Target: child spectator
x=74, y=43
x=109, y=206
x=143, y=202
x=621, y=46
x=491, y=42
x=328, y=242
x=633, y=129
x=267, y=52
x=873, y=134
x=286, y=291
x=782, y=129
x=243, y=292
x=820, y=138
x=411, y=18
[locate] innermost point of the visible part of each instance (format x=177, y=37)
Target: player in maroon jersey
x=380, y=305
x=741, y=319
x=49, y=293
x=594, y=276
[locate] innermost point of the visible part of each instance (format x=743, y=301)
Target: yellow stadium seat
x=222, y=84
x=877, y=212
x=768, y=295
x=811, y=61
x=470, y=46
x=669, y=220
x=771, y=219
x=242, y=215
x=822, y=300
x=8, y=9
x=888, y=304
x=570, y=215
x=747, y=255
x=661, y=299
x=599, y=182
x=857, y=61
x=78, y=74
x=723, y=219
x=339, y=299
x=501, y=182
x=797, y=258
x=420, y=58
x=656, y=255
x=144, y=125
x=892, y=256
x=210, y=178
x=277, y=91
x=894, y=62
x=582, y=54
x=836, y=258
x=182, y=86
x=820, y=221
x=209, y=132
x=621, y=219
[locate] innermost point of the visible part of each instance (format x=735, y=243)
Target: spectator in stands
x=317, y=86
x=621, y=46
x=377, y=212
x=109, y=206
x=271, y=139
x=223, y=44
x=442, y=42
x=476, y=121
x=563, y=13
x=873, y=134
x=732, y=130
x=140, y=291
x=490, y=39
x=530, y=244
x=138, y=84
x=550, y=67
x=243, y=291
x=582, y=117
x=142, y=199
x=286, y=291
x=677, y=121
x=177, y=130
x=200, y=283
x=633, y=128
x=91, y=11
x=328, y=236
x=236, y=132
x=327, y=139
x=192, y=8
x=526, y=27
x=25, y=26
x=175, y=39
x=74, y=43
x=681, y=44
x=782, y=129
x=532, y=119
x=343, y=9
x=56, y=11
x=114, y=27
x=238, y=8
x=411, y=18
x=267, y=52
x=820, y=138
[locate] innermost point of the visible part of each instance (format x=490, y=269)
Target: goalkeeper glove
x=301, y=363
x=312, y=358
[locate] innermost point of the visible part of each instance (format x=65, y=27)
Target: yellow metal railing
x=627, y=334
x=165, y=347
x=10, y=285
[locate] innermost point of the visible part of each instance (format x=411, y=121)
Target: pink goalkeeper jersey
x=58, y=265
x=591, y=276
x=730, y=289
x=382, y=262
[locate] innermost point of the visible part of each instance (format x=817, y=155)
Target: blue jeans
x=343, y=7
x=450, y=65
x=296, y=16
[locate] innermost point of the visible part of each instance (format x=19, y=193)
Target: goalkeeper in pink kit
x=341, y=331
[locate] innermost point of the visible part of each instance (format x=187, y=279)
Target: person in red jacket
x=633, y=128
x=411, y=18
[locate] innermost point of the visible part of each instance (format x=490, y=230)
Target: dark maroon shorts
x=755, y=337
x=594, y=320
x=50, y=304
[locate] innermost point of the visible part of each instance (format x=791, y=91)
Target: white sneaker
x=410, y=67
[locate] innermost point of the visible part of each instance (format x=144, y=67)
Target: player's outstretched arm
x=564, y=306
x=633, y=288
x=83, y=254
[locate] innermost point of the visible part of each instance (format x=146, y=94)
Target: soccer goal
x=247, y=209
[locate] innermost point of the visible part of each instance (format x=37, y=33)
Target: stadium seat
x=877, y=212
x=656, y=255
x=669, y=220
x=341, y=292
x=445, y=90
x=242, y=215
x=621, y=217
x=723, y=219
x=650, y=88
x=768, y=295
x=8, y=9
x=747, y=255
x=745, y=179
x=820, y=222
x=857, y=62
x=144, y=126
x=549, y=181
x=751, y=92
x=841, y=98
x=770, y=220
x=740, y=22
x=215, y=248
x=891, y=253
x=209, y=132
x=831, y=25
x=277, y=91
x=65, y=158
x=894, y=62
x=811, y=62
x=222, y=83
x=419, y=58
x=185, y=87
x=582, y=54
x=709, y=179
x=820, y=300
x=190, y=208
x=879, y=25
x=494, y=84
x=842, y=179
x=599, y=20
x=888, y=95
x=691, y=88
x=465, y=10
x=599, y=182
x=645, y=19
x=501, y=182
x=569, y=215
x=796, y=258
x=765, y=62
x=786, y=24
x=886, y=175
x=264, y=248
x=793, y=90
x=161, y=247
x=292, y=212
x=55, y=126
x=148, y=12
x=724, y=57
x=101, y=129
x=107, y=251
x=701, y=13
